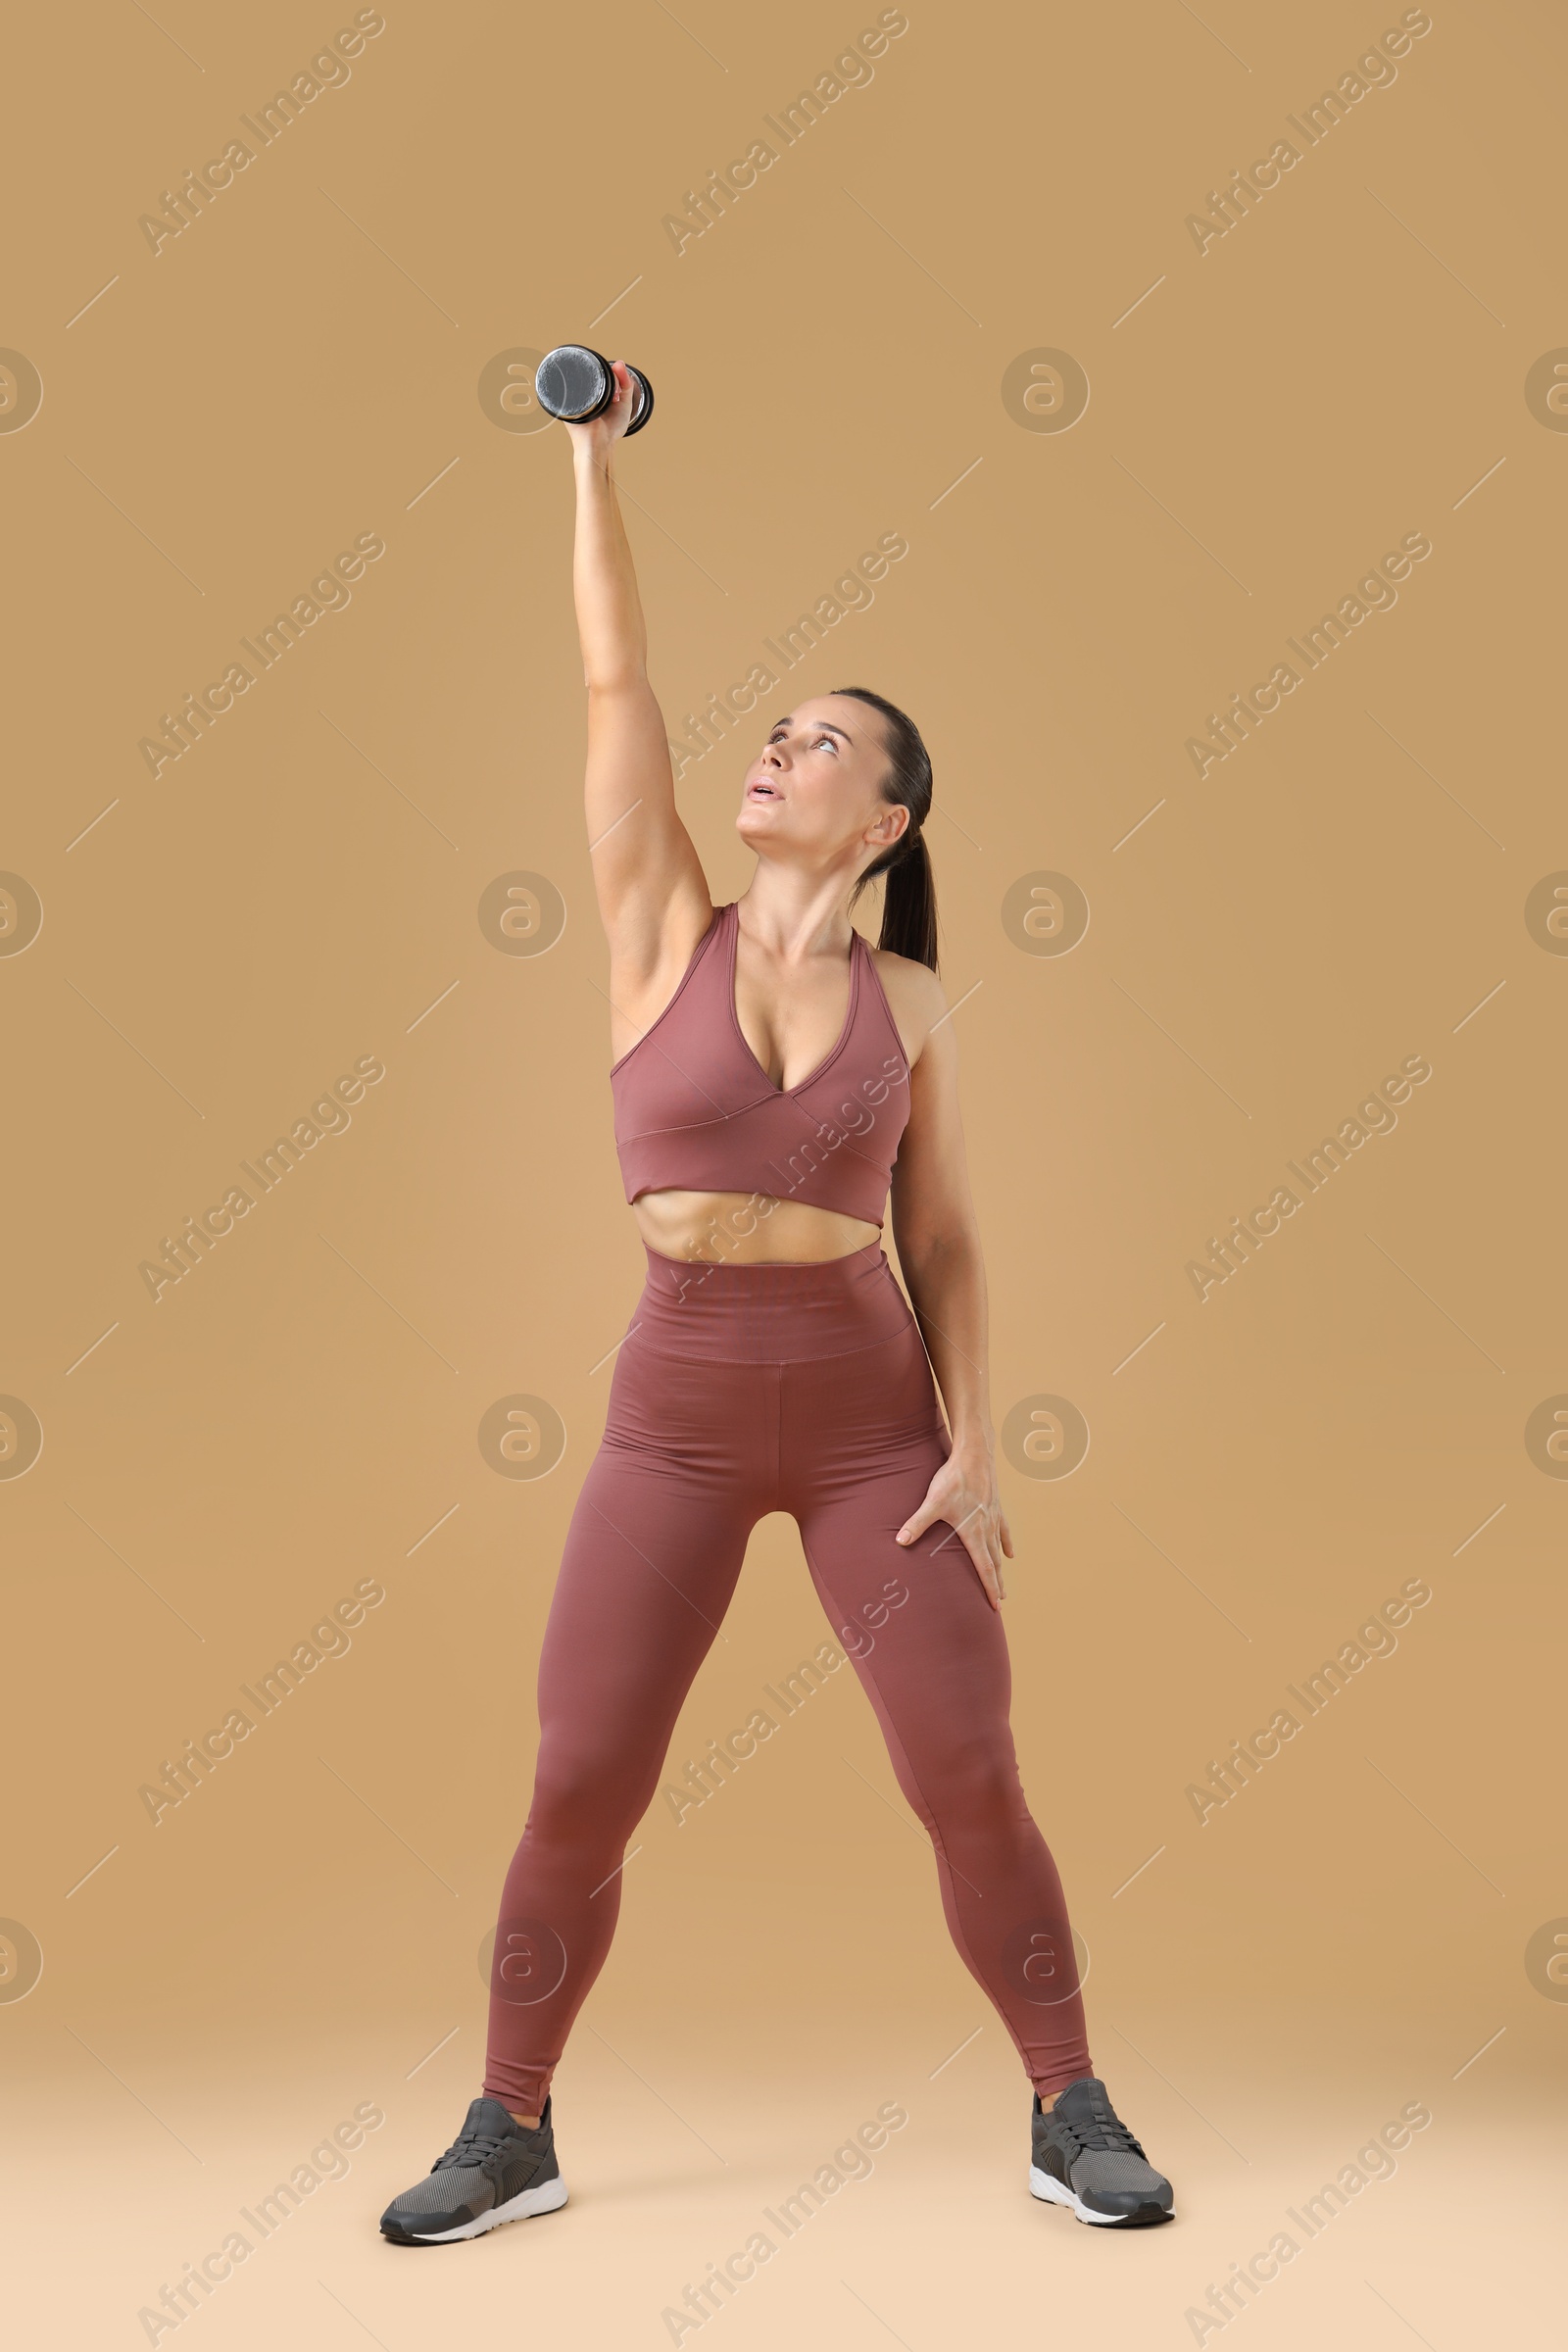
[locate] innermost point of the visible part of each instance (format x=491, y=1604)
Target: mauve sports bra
x=696, y=1111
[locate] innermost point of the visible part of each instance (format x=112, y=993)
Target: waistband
x=769, y=1314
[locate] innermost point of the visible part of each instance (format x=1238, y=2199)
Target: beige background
x=301, y=366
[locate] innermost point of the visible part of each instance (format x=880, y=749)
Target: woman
x=773, y=1072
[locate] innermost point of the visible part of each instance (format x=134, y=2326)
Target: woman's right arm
x=652, y=895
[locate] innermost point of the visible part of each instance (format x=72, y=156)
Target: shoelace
x=472, y=2148
x=1104, y=2128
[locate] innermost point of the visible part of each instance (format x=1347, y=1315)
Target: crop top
x=696, y=1111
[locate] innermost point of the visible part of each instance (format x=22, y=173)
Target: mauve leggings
x=739, y=1391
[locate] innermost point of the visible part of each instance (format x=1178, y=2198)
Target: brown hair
x=908, y=894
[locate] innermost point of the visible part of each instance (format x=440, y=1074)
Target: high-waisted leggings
x=740, y=1391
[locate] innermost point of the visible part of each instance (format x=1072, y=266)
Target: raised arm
x=652, y=895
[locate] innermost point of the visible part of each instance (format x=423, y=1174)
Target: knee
x=975, y=1782
x=582, y=1796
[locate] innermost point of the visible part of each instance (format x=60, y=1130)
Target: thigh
x=651, y=1555
x=917, y=1625
x=914, y=1619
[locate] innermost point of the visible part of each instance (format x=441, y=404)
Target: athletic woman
x=773, y=1074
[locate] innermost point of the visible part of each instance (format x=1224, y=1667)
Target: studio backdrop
x=1170, y=411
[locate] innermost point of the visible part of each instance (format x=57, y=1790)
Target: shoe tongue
x=489, y=2114
x=1085, y=2101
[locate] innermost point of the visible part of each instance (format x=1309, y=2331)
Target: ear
x=890, y=827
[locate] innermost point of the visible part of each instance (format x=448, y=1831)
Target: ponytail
x=909, y=905
x=908, y=896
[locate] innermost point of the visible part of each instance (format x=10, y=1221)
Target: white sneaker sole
x=1052, y=2191
x=549, y=2197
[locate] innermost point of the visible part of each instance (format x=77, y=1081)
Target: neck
x=792, y=913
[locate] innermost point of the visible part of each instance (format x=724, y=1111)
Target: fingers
x=996, y=1565
x=600, y=433
x=624, y=404
x=924, y=1517
x=979, y=1544
x=986, y=1568
x=982, y=1530
x=995, y=1579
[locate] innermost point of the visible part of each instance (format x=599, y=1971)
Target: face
x=813, y=794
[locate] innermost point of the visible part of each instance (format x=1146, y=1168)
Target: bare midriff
x=747, y=1229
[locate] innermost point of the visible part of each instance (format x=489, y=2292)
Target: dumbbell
x=575, y=383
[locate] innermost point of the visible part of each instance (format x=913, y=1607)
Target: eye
x=777, y=736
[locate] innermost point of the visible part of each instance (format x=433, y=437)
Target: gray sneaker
x=1085, y=2157
x=494, y=2171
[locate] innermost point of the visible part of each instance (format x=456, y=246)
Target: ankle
x=529, y=2122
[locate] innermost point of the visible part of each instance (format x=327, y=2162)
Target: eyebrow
x=824, y=726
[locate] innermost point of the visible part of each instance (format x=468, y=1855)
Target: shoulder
x=916, y=997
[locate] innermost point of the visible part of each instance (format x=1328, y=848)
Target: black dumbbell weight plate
x=575, y=383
